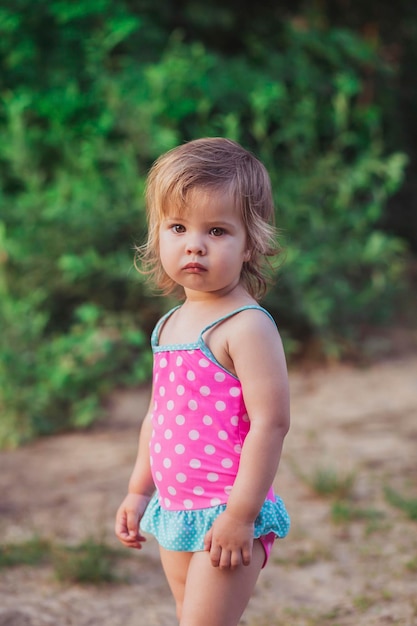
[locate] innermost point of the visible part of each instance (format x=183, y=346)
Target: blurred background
x=324, y=93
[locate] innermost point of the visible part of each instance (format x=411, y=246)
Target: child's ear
x=247, y=255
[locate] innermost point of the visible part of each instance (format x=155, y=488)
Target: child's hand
x=128, y=518
x=229, y=541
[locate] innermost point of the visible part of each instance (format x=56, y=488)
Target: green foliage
x=31, y=552
x=408, y=505
x=52, y=382
x=327, y=481
x=89, y=562
x=91, y=94
x=345, y=511
x=412, y=565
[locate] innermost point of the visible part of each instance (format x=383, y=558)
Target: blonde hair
x=211, y=164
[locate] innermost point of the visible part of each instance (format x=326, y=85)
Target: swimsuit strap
x=242, y=308
x=161, y=322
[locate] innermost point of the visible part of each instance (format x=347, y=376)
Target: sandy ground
x=362, y=572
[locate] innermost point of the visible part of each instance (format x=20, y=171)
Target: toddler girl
x=211, y=441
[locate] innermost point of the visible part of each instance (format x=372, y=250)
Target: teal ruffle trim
x=184, y=531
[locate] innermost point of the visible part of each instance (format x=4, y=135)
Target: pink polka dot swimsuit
x=199, y=424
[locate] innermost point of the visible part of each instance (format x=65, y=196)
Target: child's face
x=204, y=247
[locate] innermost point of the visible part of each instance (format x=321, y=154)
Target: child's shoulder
x=253, y=314
x=252, y=322
x=254, y=344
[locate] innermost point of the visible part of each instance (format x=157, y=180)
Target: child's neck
x=200, y=310
x=236, y=297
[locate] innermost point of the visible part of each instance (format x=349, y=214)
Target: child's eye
x=178, y=228
x=216, y=231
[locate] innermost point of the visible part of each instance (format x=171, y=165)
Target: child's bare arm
x=260, y=365
x=140, y=490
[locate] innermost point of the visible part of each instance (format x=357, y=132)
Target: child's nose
x=195, y=245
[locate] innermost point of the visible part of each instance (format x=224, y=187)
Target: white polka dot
x=167, y=502
x=180, y=390
x=158, y=476
x=167, y=463
x=235, y=392
x=226, y=463
x=157, y=448
x=198, y=491
x=234, y=420
x=195, y=463
x=215, y=501
x=188, y=504
x=162, y=391
x=190, y=375
x=212, y=477
x=172, y=490
x=170, y=405
x=203, y=363
x=180, y=420
x=219, y=376
x=245, y=418
x=220, y=405
x=179, y=361
x=151, y=460
x=179, y=448
x=172, y=377
x=209, y=449
x=228, y=489
x=192, y=404
x=194, y=435
x=160, y=419
x=207, y=420
x=181, y=477
x=205, y=391
x=168, y=433
x=238, y=448
x=222, y=434
x=163, y=362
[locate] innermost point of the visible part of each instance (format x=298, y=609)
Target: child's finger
x=120, y=527
x=246, y=555
x=215, y=555
x=132, y=524
x=207, y=540
x=225, y=559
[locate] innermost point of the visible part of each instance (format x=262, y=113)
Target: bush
x=52, y=382
x=108, y=90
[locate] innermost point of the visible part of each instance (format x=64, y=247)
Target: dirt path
x=357, y=572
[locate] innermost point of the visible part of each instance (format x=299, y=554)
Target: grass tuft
x=408, y=505
x=90, y=562
x=412, y=565
x=328, y=482
x=345, y=511
x=31, y=552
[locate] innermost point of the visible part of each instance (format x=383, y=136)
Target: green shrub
x=91, y=95
x=51, y=382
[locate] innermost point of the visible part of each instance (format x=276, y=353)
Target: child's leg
x=208, y=595
x=176, y=566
